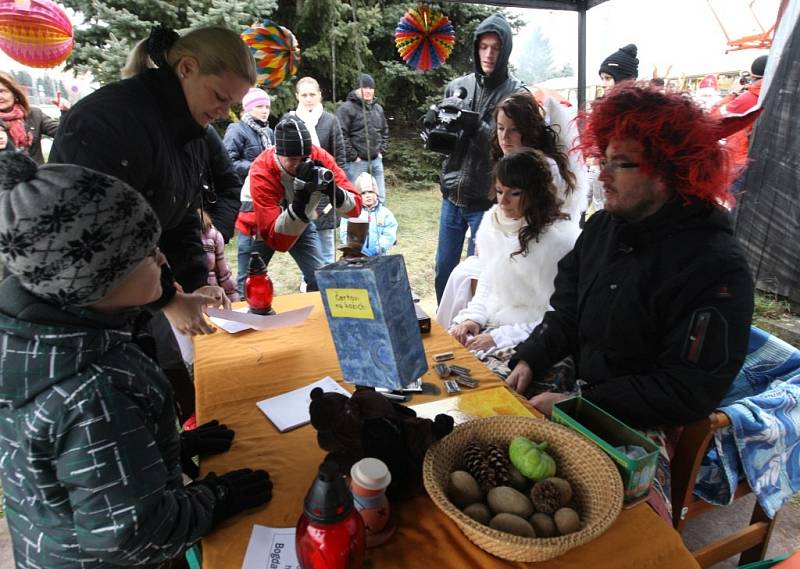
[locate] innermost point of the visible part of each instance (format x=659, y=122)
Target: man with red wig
x=654, y=303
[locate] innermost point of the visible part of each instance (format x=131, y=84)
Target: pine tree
x=111, y=28
x=536, y=64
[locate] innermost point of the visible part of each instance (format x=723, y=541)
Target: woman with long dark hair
x=521, y=122
x=521, y=240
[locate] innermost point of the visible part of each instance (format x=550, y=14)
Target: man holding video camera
x=286, y=184
x=465, y=175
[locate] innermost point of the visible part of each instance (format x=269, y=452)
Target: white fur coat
x=514, y=292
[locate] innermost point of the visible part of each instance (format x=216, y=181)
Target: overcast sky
x=681, y=33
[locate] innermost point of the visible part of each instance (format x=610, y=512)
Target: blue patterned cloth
x=763, y=441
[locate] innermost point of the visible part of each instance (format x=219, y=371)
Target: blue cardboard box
x=372, y=320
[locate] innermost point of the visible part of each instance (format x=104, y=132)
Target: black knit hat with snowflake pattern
x=68, y=233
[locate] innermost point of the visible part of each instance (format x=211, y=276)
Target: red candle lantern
x=258, y=289
x=330, y=532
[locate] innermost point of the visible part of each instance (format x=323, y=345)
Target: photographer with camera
x=465, y=119
x=286, y=184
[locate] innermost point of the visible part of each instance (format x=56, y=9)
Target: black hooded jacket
x=466, y=172
x=656, y=314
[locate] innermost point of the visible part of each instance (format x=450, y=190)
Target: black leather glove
x=237, y=491
x=208, y=438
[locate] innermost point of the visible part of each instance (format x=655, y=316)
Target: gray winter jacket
x=88, y=442
x=466, y=172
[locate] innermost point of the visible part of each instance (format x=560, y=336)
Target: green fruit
x=530, y=459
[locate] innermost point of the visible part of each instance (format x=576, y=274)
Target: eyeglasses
x=614, y=165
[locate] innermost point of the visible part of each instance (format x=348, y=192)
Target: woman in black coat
x=149, y=132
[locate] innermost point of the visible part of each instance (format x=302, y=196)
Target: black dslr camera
x=444, y=124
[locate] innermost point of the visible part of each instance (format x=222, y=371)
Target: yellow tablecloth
x=233, y=372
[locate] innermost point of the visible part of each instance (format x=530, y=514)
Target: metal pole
x=582, y=56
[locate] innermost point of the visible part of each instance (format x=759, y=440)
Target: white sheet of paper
x=237, y=320
x=229, y=325
x=271, y=547
x=290, y=410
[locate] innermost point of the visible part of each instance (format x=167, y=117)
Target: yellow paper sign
x=350, y=303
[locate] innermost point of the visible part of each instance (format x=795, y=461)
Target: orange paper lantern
x=36, y=33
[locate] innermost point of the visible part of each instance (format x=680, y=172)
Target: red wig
x=681, y=144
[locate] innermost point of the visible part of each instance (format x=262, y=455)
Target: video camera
x=444, y=124
x=321, y=175
x=313, y=172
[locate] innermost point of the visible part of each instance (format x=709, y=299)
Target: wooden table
x=232, y=372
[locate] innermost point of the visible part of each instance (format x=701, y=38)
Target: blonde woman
x=149, y=131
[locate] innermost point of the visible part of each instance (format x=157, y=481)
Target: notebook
x=290, y=410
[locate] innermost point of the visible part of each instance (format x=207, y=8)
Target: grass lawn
x=417, y=213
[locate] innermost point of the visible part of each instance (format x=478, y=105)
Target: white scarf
x=311, y=118
x=505, y=224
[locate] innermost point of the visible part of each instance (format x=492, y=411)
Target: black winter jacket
x=244, y=145
x=656, y=314
x=351, y=119
x=221, y=186
x=140, y=130
x=38, y=124
x=466, y=172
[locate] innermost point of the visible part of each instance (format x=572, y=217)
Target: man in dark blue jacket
x=465, y=173
x=654, y=302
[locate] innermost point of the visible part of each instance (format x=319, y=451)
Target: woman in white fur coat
x=520, y=242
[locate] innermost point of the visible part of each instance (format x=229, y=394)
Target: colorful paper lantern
x=276, y=52
x=36, y=33
x=424, y=37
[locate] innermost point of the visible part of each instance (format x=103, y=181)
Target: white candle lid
x=371, y=474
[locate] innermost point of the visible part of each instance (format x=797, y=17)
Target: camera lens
x=324, y=175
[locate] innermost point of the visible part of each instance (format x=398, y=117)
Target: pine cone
x=476, y=463
x=546, y=497
x=472, y=457
x=498, y=461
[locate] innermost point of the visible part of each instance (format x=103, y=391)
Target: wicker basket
x=596, y=484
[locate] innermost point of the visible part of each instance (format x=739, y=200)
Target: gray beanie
x=68, y=233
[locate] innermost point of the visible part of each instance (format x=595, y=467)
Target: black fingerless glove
x=237, y=491
x=208, y=438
